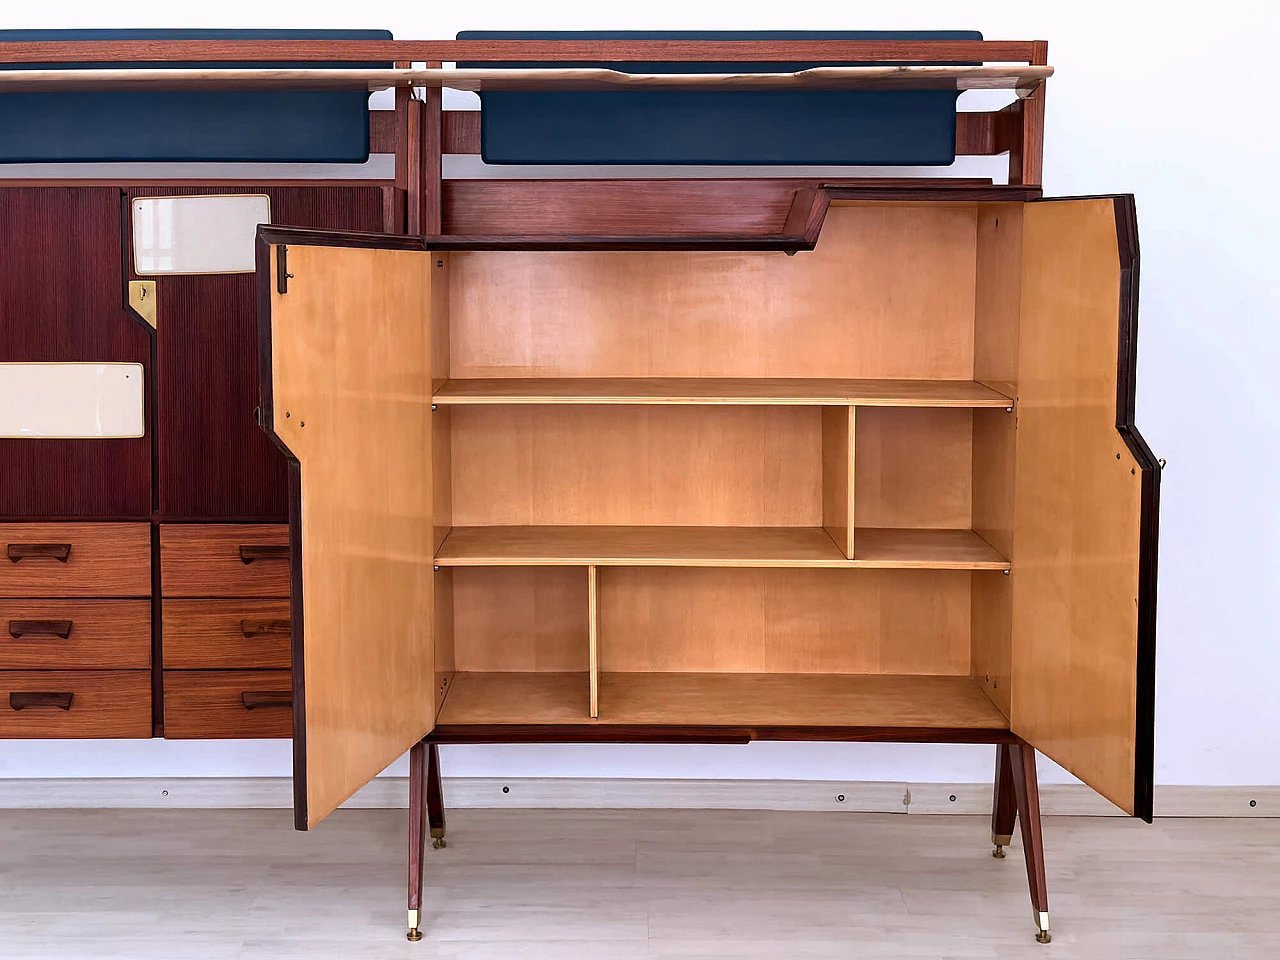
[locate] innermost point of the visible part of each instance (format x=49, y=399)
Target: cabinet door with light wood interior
x=631, y=493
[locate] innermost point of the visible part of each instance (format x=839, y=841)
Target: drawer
x=226, y=634
x=75, y=634
x=75, y=560
x=73, y=704
x=224, y=560
x=213, y=704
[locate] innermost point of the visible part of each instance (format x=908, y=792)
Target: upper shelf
x=641, y=546
x=722, y=390
x=1020, y=78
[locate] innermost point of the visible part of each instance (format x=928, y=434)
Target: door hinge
x=283, y=276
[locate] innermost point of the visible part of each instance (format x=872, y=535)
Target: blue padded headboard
x=907, y=127
x=186, y=125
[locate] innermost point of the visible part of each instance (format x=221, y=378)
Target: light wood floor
x=618, y=885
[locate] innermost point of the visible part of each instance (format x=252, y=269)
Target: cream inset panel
x=71, y=400
x=197, y=235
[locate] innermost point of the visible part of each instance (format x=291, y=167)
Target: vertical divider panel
x=837, y=476
x=593, y=641
x=441, y=421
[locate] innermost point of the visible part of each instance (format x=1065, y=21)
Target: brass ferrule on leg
x=1042, y=926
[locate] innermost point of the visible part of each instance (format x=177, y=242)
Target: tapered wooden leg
x=1004, y=806
x=1023, y=760
x=417, y=837
x=435, y=797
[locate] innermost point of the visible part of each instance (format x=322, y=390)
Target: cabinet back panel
x=784, y=621
x=889, y=292
x=913, y=467
x=722, y=466
x=522, y=619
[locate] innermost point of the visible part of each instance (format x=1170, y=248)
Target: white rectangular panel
x=188, y=235
x=71, y=400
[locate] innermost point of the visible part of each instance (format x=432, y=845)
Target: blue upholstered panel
x=907, y=127
x=188, y=125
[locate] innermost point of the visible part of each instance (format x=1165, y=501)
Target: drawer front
x=226, y=634
x=75, y=560
x=75, y=634
x=224, y=560
x=73, y=704
x=214, y=704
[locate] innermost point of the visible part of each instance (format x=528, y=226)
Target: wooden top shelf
x=1021, y=78
x=722, y=699
x=726, y=390
x=714, y=547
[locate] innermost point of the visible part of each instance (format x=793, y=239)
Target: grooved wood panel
x=104, y=634
x=351, y=396
x=722, y=700
x=61, y=298
x=913, y=468
x=887, y=293
x=104, y=703
x=215, y=461
x=784, y=621
x=804, y=392
x=210, y=704
x=1078, y=505
x=105, y=560
x=205, y=560
x=745, y=466
x=530, y=619
x=226, y=634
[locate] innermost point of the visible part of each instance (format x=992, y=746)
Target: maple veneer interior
x=704, y=487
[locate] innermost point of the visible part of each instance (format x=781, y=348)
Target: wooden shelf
x=1021, y=78
x=714, y=547
x=709, y=390
x=722, y=699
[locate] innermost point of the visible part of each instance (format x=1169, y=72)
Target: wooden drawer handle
x=250, y=552
x=265, y=628
x=20, y=701
x=253, y=699
x=40, y=628
x=28, y=551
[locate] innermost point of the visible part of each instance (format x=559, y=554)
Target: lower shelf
x=722, y=699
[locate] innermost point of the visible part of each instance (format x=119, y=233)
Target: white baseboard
x=586, y=794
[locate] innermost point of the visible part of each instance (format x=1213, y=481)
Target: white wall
x=1170, y=104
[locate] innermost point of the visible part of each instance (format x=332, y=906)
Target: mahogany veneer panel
x=215, y=461
x=104, y=703
x=784, y=621
x=104, y=560
x=887, y=293
x=61, y=299
x=725, y=465
x=226, y=634
x=210, y=704
x=731, y=390
x=722, y=700
x=206, y=560
x=101, y=634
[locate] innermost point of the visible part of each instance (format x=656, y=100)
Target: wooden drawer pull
x=250, y=552
x=253, y=699
x=28, y=551
x=265, y=628
x=20, y=701
x=40, y=628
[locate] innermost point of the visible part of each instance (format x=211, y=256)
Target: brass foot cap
x=439, y=843
x=998, y=853
x=413, y=936
x=1043, y=937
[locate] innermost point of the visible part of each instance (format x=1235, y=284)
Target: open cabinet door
x=346, y=391
x=1084, y=544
